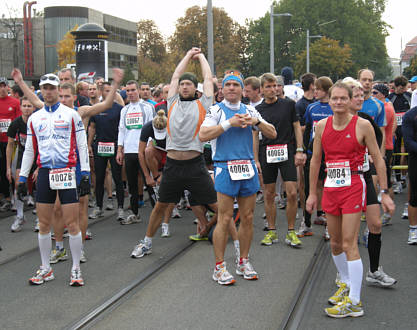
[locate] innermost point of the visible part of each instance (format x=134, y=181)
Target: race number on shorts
x=4, y=125
x=62, y=178
x=338, y=174
x=105, y=149
x=399, y=118
x=276, y=153
x=134, y=120
x=240, y=169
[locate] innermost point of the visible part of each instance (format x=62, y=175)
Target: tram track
x=108, y=305
x=28, y=251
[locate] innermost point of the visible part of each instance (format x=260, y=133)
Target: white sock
x=237, y=244
x=342, y=267
x=19, y=208
x=45, y=246
x=75, y=243
x=59, y=245
x=165, y=225
x=355, y=274
x=148, y=241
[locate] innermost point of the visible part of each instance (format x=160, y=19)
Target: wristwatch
x=299, y=150
x=384, y=191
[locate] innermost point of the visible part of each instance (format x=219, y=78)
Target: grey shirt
x=184, y=121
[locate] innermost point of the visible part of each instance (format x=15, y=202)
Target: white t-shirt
x=414, y=99
x=293, y=92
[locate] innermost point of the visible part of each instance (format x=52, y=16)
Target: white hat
x=50, y=79
x=160, y=134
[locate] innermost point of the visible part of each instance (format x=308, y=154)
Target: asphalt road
x=182, y=295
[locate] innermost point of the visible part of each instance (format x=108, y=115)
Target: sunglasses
x=51, y=78
x=375, y=92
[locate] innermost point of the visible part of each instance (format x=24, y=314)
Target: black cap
x=189, y=76
x=3, y=80
x=382, y=89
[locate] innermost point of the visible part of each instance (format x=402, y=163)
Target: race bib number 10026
x=240, y=169
x=62, y=178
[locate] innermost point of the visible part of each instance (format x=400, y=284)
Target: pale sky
x=400, y=14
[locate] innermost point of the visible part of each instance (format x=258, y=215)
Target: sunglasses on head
x=46, y=77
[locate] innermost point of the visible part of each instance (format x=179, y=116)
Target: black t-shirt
x=147, y=132
x=401, y=102
x=80, y=101
x=282, y=115
x=17, y=130
x=107, y=124
x=301, y=107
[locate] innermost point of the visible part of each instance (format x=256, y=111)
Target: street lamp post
x=308, y=49
x=308, y=43
x=271, y=37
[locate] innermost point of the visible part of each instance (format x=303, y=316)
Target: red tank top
x=343, y=145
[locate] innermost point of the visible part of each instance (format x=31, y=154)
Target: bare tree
x=14, y=28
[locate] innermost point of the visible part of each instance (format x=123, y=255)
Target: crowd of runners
x=336, y=150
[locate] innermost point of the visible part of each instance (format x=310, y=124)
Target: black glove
x=22, y=191
x=84, y=188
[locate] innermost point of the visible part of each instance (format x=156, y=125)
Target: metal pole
x=271, y=42
x=210, y=35
x=308, y=51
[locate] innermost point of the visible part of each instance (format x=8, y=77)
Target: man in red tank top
x=343, y=138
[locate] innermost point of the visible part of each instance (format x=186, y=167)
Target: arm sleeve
x=29, y=154
x=407, y=129
x=122, y=128
x=81, y=139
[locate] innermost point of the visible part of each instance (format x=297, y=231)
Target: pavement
x=182, y=295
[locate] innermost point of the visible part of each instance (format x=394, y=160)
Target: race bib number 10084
x=338, y=174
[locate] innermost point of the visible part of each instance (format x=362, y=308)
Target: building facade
x=48, y=30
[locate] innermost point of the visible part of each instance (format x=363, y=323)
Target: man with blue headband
x=229, y=125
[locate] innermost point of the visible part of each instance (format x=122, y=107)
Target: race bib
x=276, y=153
x=62, y=178
x=4, y=125
x=134, y=120
x=105, y=149
x=366, y=161
x=399, y=118
x=338, y=174
x=240, y=169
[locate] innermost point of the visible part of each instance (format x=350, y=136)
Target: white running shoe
x=109, y=205
x=246, y=270
x=76, y=278
x=42, y=276
x=97, y=212
x=120, y=214
x=222, y=276
x=36, y=228
x=131, y=219
x=83, y=257
x=165, y=230
x=17, y=224
x=380, y=277
x=405, y=212
x=141, y=250
x=175, y=213
x=412, y=236
x=30, y=201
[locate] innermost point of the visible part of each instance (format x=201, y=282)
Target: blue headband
x=232, y=77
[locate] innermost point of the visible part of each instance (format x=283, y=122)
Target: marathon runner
x=409, y=130
x=184, y=168
x=229, y=125
x=56, y=132
x=17, y=136
x=344, y=138
x=132, y=118
x=9, y=111
x=284, y=152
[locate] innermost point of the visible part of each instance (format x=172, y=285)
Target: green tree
x=229, y=38
x=327, y=58
x=357, y=23
x=151, y=43
x=128, y=74
x=66, y=49
x=411, y=70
